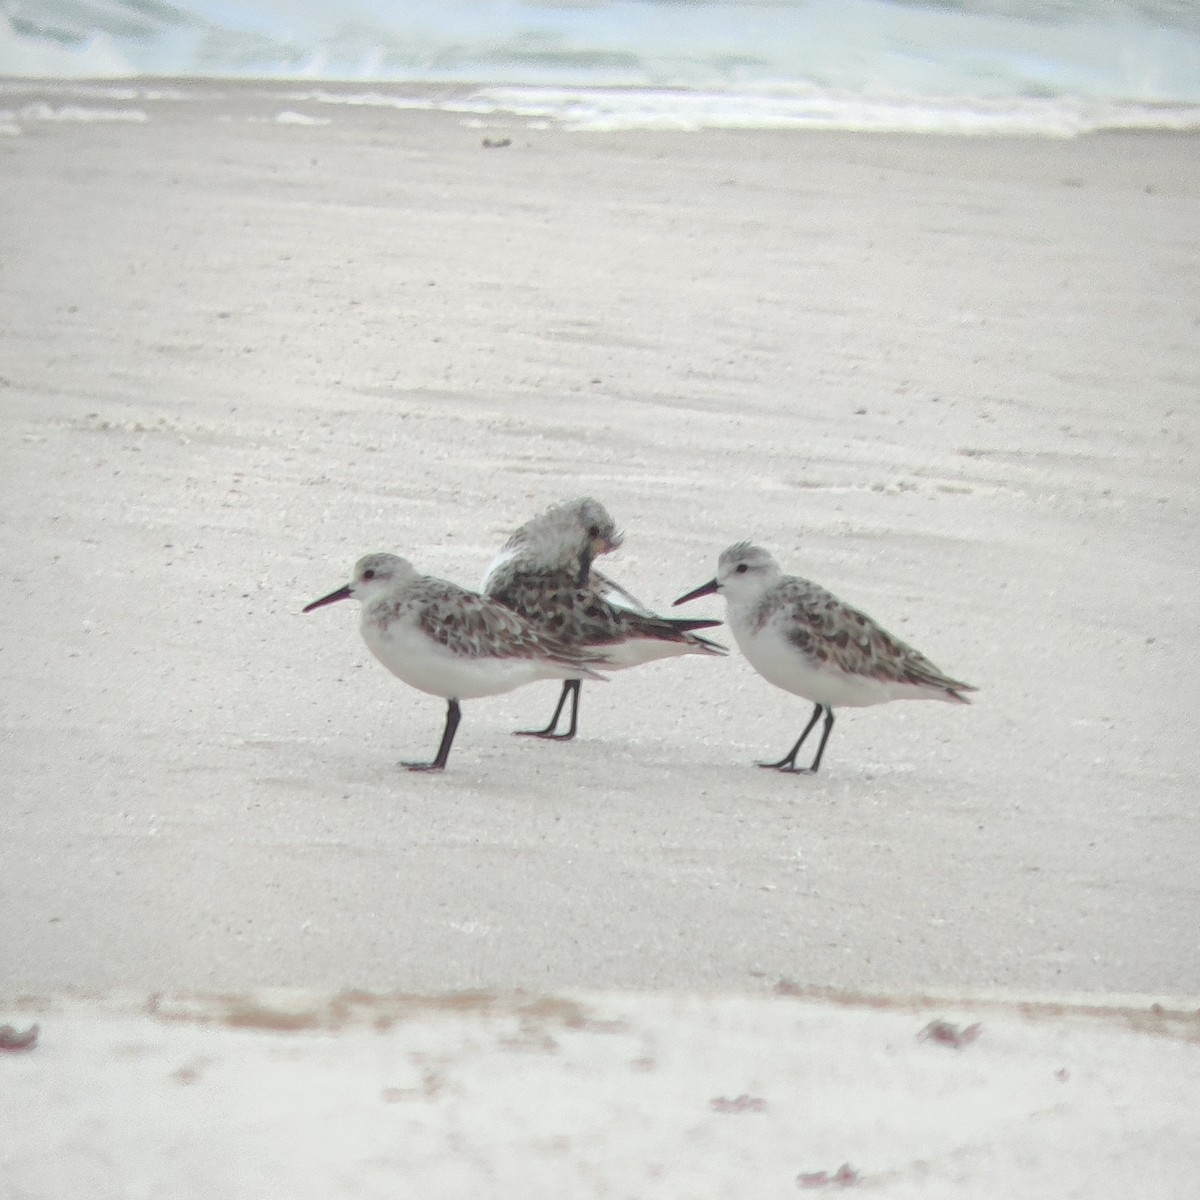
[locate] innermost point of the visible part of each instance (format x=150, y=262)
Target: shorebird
x=803, y=639
x=451, y=642
x=544, y=572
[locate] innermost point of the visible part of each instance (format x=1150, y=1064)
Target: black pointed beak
x=705, y=589
x=343, y=593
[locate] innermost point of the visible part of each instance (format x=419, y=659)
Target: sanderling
x=544, y=572
x=451, y=642
x=805, y=640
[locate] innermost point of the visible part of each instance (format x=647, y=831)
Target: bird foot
x=547, y=734
x=786, y=768
x=420, y=766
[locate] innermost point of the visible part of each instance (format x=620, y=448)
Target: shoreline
x=1056, y=118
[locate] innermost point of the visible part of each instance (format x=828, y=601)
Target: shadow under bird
x=451, y=642
x=803, y=639
x=544, y=572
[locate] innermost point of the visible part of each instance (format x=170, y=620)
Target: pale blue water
x=1055, y=65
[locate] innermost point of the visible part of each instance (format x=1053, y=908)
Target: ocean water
x=1051, y=66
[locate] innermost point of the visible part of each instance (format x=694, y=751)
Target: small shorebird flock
x=545, y=612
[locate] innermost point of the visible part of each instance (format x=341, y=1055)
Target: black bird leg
x=570, y=688
x=453, y=716
x=788, y=761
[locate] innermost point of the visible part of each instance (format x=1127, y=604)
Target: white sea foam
x=963, y=65
x=294, y=118
x=75, y=112
x=612, y=109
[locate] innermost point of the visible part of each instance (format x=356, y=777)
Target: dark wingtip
x=688, y=624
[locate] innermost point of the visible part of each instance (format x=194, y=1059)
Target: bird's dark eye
x=742, y=568
x=369, y=573
x=593, y=531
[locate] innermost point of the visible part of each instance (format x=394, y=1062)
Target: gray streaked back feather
x=582, y=616
x=469, y=624
x=829, y=630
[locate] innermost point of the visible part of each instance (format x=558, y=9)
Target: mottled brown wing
x=614, y=593
x=832, y=631
x=582, y=616
x=555, y=604
x=470, y=624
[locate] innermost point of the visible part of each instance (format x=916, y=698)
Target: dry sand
x=649, y=1096
x=954, y=380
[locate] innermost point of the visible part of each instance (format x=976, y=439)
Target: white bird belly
x=782, y=663
x=429, y=667
x=633, y=652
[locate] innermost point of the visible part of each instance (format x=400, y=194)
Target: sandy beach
x=250, y=337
